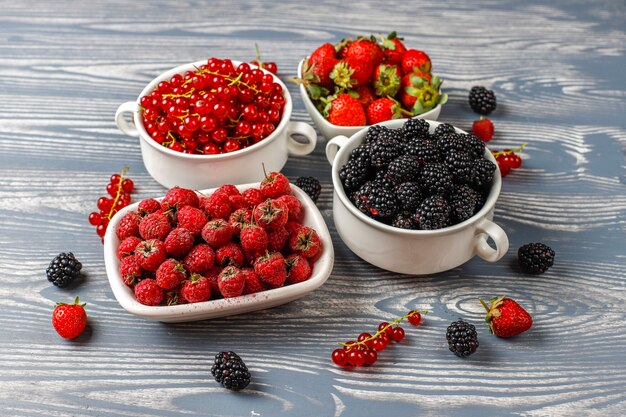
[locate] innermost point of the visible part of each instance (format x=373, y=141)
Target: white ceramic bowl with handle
x=330, y=130
x=227, y=306
x=171, y=168
x=417, y=252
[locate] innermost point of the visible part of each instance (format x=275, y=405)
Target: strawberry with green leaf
x=393, y=49
x=387, y=80
x=415, y=60
x=506, y=317
x=420, y=93
x=385, y=109
x=344, y=110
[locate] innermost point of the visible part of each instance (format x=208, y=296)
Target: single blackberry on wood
x=402, y=169
x=462, y=338
x=435, y=179
x=409, y=196
x=464, y=202
x=229, y=370
x=63, y=269
x=481, y=100
x=535, y=258
x=354, y=174
x=433, y=213
x=377, y=201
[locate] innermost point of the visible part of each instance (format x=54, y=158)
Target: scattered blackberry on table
x=535, y=258
x=230, y=371
x=463, y=202
x=63, y=269
x=433, y=213
x=443, y=129
x=402, y=169
x=384, y=151
x=424, y=150
x=409, y=196
x=481, y=100
x=435, y=179
x=405, y=220
x=415, y=129
x=311, y=186
x=462, y=338
x=377, y=201
x=354, y=174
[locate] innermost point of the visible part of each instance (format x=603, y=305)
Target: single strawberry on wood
x=506, y=317
x=69, y=320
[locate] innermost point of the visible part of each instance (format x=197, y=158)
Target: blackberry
x=464, y=203
x=402, y=169
x=384, y=151
x=443, y=128
x=435, y=179
x=535, y=258
x=405, y=220
x=361, y=152
x=424, y=150
x=353, y=174
x=376, y=201
x=409, y=196
x=311, y=186
x=230, y=371
x=373, y=133
x=482, y=174
x=449, y=142
x=415, y=129
x=473, y=145
x=63, y=269
x=460, y=166
x=433, y=213
x=462, y=338
x=481, y=100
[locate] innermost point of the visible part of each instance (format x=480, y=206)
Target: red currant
x=515, y=161
x=115, y=178
x=210, y=149
x=349, y=345
x=356, y=358
x=385, y=325
x=339, y=357
x=101, y=229
x=231, y=145
x=370, y=356
x=414, y=318
x=105, y=204
x=112, y=189
x=95, y=219
x=271, y=67
x=397, y=334
x=128, y=185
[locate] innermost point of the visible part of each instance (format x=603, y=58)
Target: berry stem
x=512, y=151
x=383, y=330
x=119, y=192
x=484, y=304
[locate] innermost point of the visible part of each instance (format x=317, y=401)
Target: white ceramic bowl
x=416, y=252
x=171, y=168
x=330, y=130
x=227, y=306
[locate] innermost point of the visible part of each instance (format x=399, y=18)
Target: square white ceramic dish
x=227, y=306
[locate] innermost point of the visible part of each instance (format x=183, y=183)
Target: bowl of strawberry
x=230, y=250
x=365, y=81
x=204, y=124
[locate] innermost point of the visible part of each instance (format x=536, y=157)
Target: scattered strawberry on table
x=119, y=189
x=506, y=318
x=483, y=128
x=369, y=80
x=69, y=320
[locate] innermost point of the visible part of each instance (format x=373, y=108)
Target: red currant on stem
x=340, y=357
x=95, y=219
x=508, y=159
x=119, y=188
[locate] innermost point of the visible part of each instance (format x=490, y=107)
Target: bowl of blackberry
x=416, y=196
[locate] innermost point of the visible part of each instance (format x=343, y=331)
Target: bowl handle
x=332, y=147
x=122, y=123
x=495, y=232
x=297, y=148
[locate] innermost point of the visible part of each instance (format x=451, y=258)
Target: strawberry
x=411, y=83
x=274, y=185
x=69, y=320
x=323, y=52
x=196, y=289
x=393, y=49
x=346, y=111
x=148, y=293
x=420, y=92
x=365, y=51
x=483, y=128
x=361, y=71
x=384, y=109
x=365, y=94
x=506, y=317
x=322, y=70
x=414, y=60
x=386, y=80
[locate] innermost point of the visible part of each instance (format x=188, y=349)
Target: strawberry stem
x=484, y=304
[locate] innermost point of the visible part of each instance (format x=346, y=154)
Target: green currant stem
x=119, y=192
x=383, y=330
x=236, y=80
x=512, y=151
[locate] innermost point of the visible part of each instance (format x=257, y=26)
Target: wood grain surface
x=557, y=69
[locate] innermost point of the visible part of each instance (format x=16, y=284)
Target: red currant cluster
x=365, y=350
x=215, y=109
x=508, y=159
x=119, y=188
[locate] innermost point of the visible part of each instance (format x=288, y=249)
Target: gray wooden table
x=558, y=72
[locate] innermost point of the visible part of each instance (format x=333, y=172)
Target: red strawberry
x=128, y=226
x=252, y=197
x=154, y=226
x=346, y=111
x=323, y=52
x=360, y=72
x=196, y=289
x=192, y=219
x=217, y=205
x=130, y=270
x=254, y=240
x=179, y=242
x=321, y=71
x=483, y=128
x=384, y=109
x=217, y=233
x=271, y=268
x=393, y=49
x=305, y=242
x=271, y=214
x=411, y=83
x=298, y=269
x=150, y=254
x=414, y=60
x=387, y=80
x=69, y=320
x=177, y=198
x=200, y=259
x=253, y=282
x=506, y=317
x=170, y=274
x=277, y=238
x=274, y=185
x=148, y=293
x=148, y=206
x=366, y=51
x=366, y=95
x=239, y=219
x=231, y=282
x=230, y=254
x=127, y=247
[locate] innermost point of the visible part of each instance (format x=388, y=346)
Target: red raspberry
x=254, y=240
x=228, y=189
x=253, y=197
x=154, y=226
x=271, y=268
x=213, y=276
x=293, y=226
x=237, y=202
x=127, y=247
x=253, y=282
x=231, y=282
x=196, y=289
x=274, y=185
x=128, y=226
x=147, y=292
x=298, y=269
x=217, y=233
x=239, y=219
x=192, y=219
x=229, y=254
x=277, y=239
x=305, y=242
x=148, y=206
x=170, y=274
x=150, y=254
x=294, y=206
x=177, y=198
x=179, y=242
x=217, y=206
x=271, y=214
x=200, y=259
x=130, y=270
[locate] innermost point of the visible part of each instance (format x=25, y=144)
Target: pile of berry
x=189, y=248
x=119, y=189
x=412, y=179
x=215, y=109
x=364, y=81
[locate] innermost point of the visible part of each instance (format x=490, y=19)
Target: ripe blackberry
x=377, y=201
x=460, y=166
x=463, y=203
x=433, y=213
x=424, y=150
x=311, y=186
x=361, y=152
x=482, y=174
x=442, y=129
x=409, y=196
x=435, y=179
x=402, y=169
x=473, y=145
x=448, y=142
x=353, y=174
x=63, y=269
x=381, y=178
x=405, y=220
x=535, y=258
x=230, y=371
x=415, y=129
x=384, y=151
x=481, y=100
x=462, y=338
x=373, y=133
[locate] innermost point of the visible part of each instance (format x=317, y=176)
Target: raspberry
x=192, y=219
x=237, y=202
x=277, y=238
x=148, y=206
x=253, y=197
x=292, y=226
x=174, y=298
x=128, y=226
x=179, y=242
x=433, y=213
x=271, y=214
x=253, y=282
x=305, y=242
x=130, y=270
x=217, y=205
x=231, y=282
x=213, y=276
x=148, y=293
x=150, y=254
x=170, y=274
x=154, y=226
x=294, y=207
x=196, y=289
x=229, y=254
x=228, y=189
x=254, y=240
x=274, y=185
x=271, y=268
x=298, y=268
x=239, y=219
x=127, y=247
x=177, y=198
x=217, y=233
x=200, y=259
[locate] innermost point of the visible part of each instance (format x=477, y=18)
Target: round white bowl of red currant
x=206, y=123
